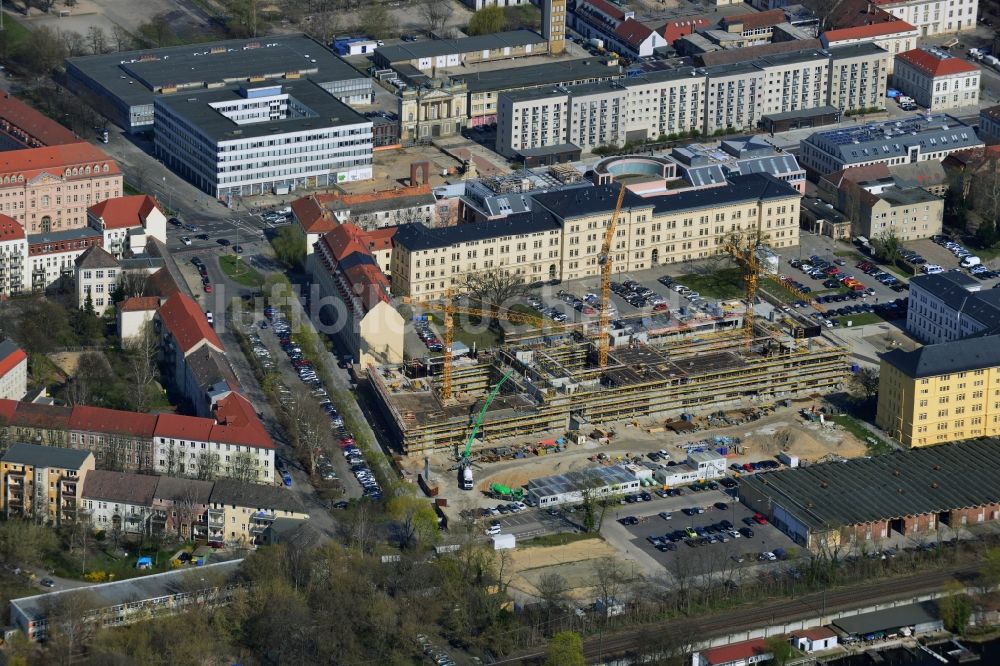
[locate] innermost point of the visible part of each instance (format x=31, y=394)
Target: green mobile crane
x=465, y=467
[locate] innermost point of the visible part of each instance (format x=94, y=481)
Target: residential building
x=49, y=189
x=942, y=392
x=262, y=138
x=820, y=217
x=119, y=502
x=951, y=306
x=351, y=279
x=476, y=5
x=180, y=508
x=43, y=482
x=127, y=223
x=756, y=27
x=240, y=513
x=124, y=85
x=21, y=126
x=433, y=54
x=937, y=80
x=433, y=110
x=14, y=275
x=879, y=209
x=915, y=139
x=193, y=355
x=13, y=371
x=858, y=77
x=964, y=167
x=675, y=29
x=125, y=602
x=894, y=37
x=97, y=276
x=484, y=88
x=134, y=314
x=934, y=17
x=52, y=256
x=560, y=236
x=989, y=125
x=528, y=119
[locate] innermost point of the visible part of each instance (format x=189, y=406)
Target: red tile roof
x=754, y=20
x=815, y=634
x=187, y=323
x=41, y=416
x=8, y=362
x=175, y=426
x=139, y=303
x=123, y=212
x=606, y=8
x=674, y=30
x=931, y=65
x=19, y=116
x=369, y=283
x=312, y=215
x=162, y=283
x=314, y=212
x=632, y=32
x=729, y=653
x=30, y=162
x=10, y=229
x=98, y=419
x=347, y=238
x=237, y=423
x=870, y=31
x=7, y=410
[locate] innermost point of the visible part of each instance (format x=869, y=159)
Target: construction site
x=557, y=385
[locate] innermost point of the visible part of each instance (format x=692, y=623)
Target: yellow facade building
x=941, y=393
x=43, y=482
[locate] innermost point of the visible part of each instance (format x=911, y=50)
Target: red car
x=759, y=519
x=208, y=287
x=346, y=441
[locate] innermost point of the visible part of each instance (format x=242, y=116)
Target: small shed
x=503, y=541
x=815, y=639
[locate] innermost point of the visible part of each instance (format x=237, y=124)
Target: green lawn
x=559, y=539
x=129, y=190
x=876, y=446
x=66, y=566
x=861, y=319
x=476, y=335
x=14, y=32
x=237, y=270
x=726, y=283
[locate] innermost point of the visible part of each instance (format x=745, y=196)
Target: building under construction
x=556, y=379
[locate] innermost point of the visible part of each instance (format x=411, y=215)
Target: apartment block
x=937, y=80
x=942, y=392
x=97, y=275
x=908, y=213
x=119, y=502
x=14, y=277
x=530, y=119
x=951, y=306
x=858, y=77
x=42, y=482
x=241, y=513
x=561, y=236
x=893, y=36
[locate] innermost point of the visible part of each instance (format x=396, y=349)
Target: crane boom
x=482, y=414
x=605, y=260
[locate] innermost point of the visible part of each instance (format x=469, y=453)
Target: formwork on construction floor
x=556, y=379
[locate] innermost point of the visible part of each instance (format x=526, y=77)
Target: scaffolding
x=556, y=379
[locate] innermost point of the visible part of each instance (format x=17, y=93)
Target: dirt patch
x=66, y=361
x=807, y=441
x=574, y=562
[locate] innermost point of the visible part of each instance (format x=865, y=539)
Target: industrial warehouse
x=838, y=505
x=557, y=384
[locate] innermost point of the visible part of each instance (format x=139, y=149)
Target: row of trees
x=494, y=18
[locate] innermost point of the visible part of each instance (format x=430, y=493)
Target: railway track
x=745, y=618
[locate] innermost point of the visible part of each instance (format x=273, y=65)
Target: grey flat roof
x=855, y=50
x=579, y=480
x=142, y=588
x=68, y=234
x=417, y=236
x=7, y=347
x=947, y=357
x=803, y=113
x=931, y=479
x=537, y=75
x=823, y=210
x=195, y=109
x=890, y=618
x=45, y=456
x=893, y=138
x=902, y=196
x=186, y=66
x=439, y=47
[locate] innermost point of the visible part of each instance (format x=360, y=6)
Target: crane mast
x=605, y=260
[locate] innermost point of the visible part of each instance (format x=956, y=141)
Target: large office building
x=124, y=85
x=937, y=80
x=726, y=97
x=910, y=140
x=560, y=237
x=263, y=138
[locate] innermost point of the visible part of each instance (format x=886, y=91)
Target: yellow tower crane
x=743, y=249
x=448, y=307
x=605, y=261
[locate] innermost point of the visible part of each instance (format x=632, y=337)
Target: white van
x=971, y=261
x=932, y=269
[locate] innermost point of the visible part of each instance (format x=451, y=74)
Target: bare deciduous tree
x=244, y=468
x=121, y=37
x=436, y=14
x=70, y=626
x=142, y=351
x=496, y=287
x=97, y=39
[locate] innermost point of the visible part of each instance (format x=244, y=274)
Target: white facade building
x=893, y=36
x=13, y=371
x=950, y=306
x=14, y=277
x=97, y=275
x=934, y=17
x=936, y=80
x=256, y=140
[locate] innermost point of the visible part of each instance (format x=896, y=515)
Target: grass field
x=862, y=319
x=876, y=446
x=237, y=270
x=726, y=283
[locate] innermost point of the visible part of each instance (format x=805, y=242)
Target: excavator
x=465, y=467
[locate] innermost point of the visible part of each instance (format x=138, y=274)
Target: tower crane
x=743, y=249
x=604, y=259
x=465, y=468
x=448, y=307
